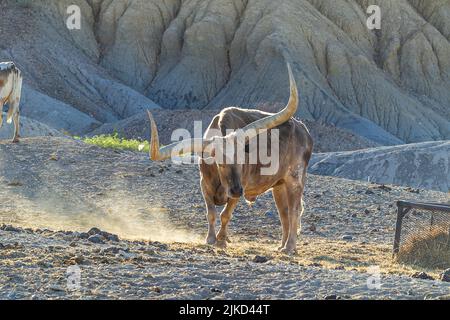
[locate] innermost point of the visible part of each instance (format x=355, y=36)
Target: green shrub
x=114, y=141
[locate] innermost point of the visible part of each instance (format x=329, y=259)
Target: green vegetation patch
x=114, y=141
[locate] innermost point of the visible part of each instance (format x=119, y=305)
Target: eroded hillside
x=387, y=85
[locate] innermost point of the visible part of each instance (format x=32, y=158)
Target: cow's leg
x=281, y=200
x=16, y=119
x=1, y=112
x=225, y=217
x=11, y=109
x=13, y=114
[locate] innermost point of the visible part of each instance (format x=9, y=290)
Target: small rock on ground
x=445, y=276
x=260, y=259
x=422, y=275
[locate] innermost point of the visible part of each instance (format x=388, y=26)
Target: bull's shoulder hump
x=235, y=118
x=235, y=111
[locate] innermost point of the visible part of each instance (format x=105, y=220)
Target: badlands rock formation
x=55, y=113
x=389, y=85
x=36, y=37
x=422, y=165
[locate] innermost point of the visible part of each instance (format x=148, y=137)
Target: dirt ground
x=156, y=209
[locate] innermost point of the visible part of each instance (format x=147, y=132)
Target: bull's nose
x=236, y=192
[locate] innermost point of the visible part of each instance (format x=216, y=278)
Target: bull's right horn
x=158, y=153
x=279, y=118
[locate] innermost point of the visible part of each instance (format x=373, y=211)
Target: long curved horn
x=187, y=146
x=279, y=118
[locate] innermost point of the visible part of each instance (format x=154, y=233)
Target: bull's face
x=228, y=155
x=230, y=177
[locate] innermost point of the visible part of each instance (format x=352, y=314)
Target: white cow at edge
x=10, y=92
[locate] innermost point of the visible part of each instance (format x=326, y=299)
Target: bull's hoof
x=15, y=140
x=223, y=238
x=211, y=240
x=221, y=244
x=289, y=251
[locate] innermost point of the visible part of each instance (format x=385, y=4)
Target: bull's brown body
x=225, y=182
x=287, y=184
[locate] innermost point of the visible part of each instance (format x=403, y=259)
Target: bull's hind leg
x=294, y=203
x=281, y=200
x=294, y=186
x=225, y=217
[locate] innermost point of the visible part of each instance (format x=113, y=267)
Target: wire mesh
x=423, y=234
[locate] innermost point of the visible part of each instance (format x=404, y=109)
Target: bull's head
x=216, y=150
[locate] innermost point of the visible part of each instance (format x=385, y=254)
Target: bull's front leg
x=225, y=217
x=211, y=214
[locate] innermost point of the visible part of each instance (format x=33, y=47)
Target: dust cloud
x=115, y=212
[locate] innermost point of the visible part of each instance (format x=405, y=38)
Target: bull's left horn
x=158, y=153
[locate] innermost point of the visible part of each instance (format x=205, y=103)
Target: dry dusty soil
x=156, y=209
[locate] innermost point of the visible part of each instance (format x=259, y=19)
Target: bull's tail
x=16, y=93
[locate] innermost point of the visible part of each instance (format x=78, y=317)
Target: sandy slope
x=61, y=184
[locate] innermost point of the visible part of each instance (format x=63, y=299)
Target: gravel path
x=35, y=266
x=60, y=184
